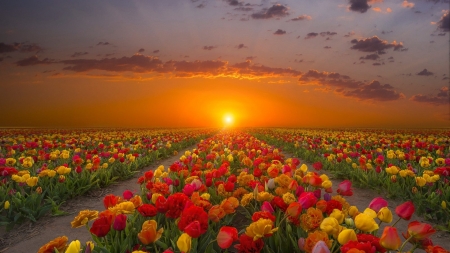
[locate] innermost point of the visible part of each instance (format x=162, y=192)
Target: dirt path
x=30, y=237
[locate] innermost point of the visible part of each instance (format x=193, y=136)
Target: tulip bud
x=349, y=222
x=444, y=204
x=6, y=205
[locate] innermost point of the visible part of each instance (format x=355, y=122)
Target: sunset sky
x=190, y=63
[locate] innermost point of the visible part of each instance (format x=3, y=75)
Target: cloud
x=407, y=4
x=302, y=17
x=441, y=98
x=135, y=63
x=444, y=22
x=348, y=87
x=34, y=60
x=77, y=54
x=377, y=9
x=374, y=44
x=152, y=65
x=425, y=72
x=376, y=64
x=349, y=34
x=370, y=57
x=279, y=32
x=374, y=91
x=233, y=2
x=103, y=43
x=250, y=58
x=208, y=47
x=359, y=5
x=311, y=35
x=20, y=47
x=141, y=50
x=240, y=46
x=327, y=33
x=155, y=51
x=276, y=11
x=326, y=47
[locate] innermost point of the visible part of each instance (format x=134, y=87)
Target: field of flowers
x=235, y=193
x=40, y=169
x=407, y=165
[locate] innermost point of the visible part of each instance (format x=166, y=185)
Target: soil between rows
x=30, y=237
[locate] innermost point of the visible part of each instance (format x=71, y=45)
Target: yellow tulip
x=330, y=226
x=347, y=235
x=420, y=181
x=385, y=215
x=353, y=211
x=338, y=215
x=370, y=212
x=32, y=181
x=365, y=223
x=184, y=242
x=74, y=247
x=260, y=229
x=6, y=205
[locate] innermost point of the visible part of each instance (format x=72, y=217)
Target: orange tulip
x=390, y=239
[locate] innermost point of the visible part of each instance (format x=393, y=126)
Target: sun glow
x=228, y=119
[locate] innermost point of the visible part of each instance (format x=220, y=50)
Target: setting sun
x=228, y=119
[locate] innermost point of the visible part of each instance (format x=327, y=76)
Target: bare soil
x=29, y=237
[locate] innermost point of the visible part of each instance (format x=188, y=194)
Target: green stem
x=404, y=243
x=396, y=222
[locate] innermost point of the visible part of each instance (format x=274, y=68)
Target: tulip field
x=236, y=191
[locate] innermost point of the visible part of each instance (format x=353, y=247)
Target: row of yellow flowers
x=236, y=193
x=40, y=169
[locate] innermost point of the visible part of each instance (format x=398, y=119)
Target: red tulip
x=307, y=200
x=120, y=222
x=390, y=239
x=194, y=229
x=101, y=226
x=419, y=231
x=147, y=210
x=226, y=236
x=110, y=200
x=405, y=210
x=345, y=188
x=377, y=203
x=127, y=194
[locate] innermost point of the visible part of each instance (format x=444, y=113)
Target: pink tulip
x=127, y=194
x=307, y=200
x=320, y=247
x=345, y=188
x=267, y=207
x=377, y=203
x=188, y=189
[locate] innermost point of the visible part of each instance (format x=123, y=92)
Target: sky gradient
x=180, y=63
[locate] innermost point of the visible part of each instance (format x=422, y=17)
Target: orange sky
x=189, y=63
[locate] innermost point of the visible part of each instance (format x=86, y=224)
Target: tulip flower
x=405, y=210
x=101, y=226
x=377, y=203
x=320, y=247
x=330, y=226
x=385, y=215
x=184, y=242
x=148, y=232
x=347, y=235
x=267, y=207
x=345, y=188
x=127, y=194
x=390, y=239
x=419, y=231
x=6, y=205
x=226, y=236
x=74, y=247
x=365, y=223
x=120, y=222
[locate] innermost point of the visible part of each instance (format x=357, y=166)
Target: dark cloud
x=441, y=34
x=103, y=43
x=359, y=5
x=240, y=46
x=444, y=22
x=200, y=6
x=327, y=33
x=243, y=8
x=233, y=2
x=326, y=47
x=246, y=68
x=34, y=60
x=349, y=34
x=208, y=47
x=425, y=72
x=275, y=11
x=311, y=35
x=78, y=54
x=374, y=44
x=279, y=32
x=349, y=87
x=441, y=98
x=370, y=57
x=376, y=64
x=302, y=17
x=141, y=50
x=21, y=47
x=374, y=91
x=135, y=63
x=155, y=51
